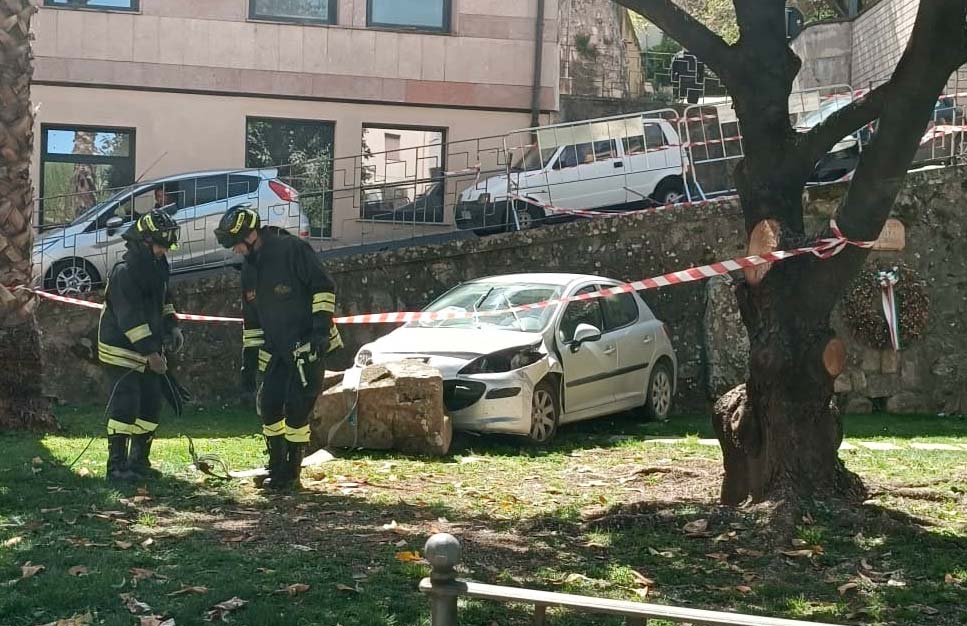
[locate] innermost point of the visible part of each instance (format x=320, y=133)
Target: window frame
x=330, y=20
x=445, y=29
x=134, y=8
x=391, y=127
x=75, y=159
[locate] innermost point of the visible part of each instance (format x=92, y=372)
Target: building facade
x=385, y=89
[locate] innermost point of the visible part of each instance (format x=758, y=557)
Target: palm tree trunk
x=22, y=404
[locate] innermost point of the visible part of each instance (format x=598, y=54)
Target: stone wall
x=932, y=372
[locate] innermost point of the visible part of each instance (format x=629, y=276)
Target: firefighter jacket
x=138, y=311
x=288, y=299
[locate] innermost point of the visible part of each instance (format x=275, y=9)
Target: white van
x=615, y=163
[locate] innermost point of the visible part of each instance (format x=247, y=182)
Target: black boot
x=117, y=459
x=138, y=462
x=296, y=453
x=277, y=477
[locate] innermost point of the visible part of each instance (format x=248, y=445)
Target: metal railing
x=444, y=589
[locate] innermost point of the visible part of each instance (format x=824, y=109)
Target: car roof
x=265, y=172
x=549, y=278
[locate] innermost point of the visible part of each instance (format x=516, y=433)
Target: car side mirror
x=584, y=333
x=113, y=224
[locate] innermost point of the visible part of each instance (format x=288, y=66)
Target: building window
x=433, y=15
x=313, y=11
x=79, y=166
x=108, y=5
x=392, y=146
x=402, y=174
x=302, y=151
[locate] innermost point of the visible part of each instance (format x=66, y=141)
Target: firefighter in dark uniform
x=288, y=301
x=137, y=324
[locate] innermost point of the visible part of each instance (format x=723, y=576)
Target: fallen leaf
x=83, y=472
x=928, y=610
x=78, y=570
x=718, y=556
x=37, y=461
x=155, y=620
x=134, y=605
x=948, y=578
x=408, y=557
x=895, y=583
x=642, y=580
x=28, y=570
x=797, y=553
x=342, y=587
x=9, y=543
x=743, y=588
x=294, y=590
x=141, y=574
x=400, y=543
x=602, y=499
x=123, y=545
x=84, y=619
x=147, y=542
x=842, y=589
x=187, y=590
x=59, y=509
x=642, y=592
x=798, y=543
x=750, y=553
x=301, y=548
x=391, y=526
x=865, y=565
x=220, y=610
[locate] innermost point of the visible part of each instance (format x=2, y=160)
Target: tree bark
x=779, y=433
x=22, y=404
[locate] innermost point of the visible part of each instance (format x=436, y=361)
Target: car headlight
x=503, y=361
x=363, y=358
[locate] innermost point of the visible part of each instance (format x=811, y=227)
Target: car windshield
x=490, y=301
x=533, y=159
x=819, y=115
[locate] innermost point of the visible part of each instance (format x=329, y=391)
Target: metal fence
x=411, y=192
x=443, y=552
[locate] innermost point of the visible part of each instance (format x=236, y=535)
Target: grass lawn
x=600, y=513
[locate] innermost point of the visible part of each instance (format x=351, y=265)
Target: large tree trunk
x=21, y=401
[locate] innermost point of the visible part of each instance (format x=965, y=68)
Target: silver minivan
x=78, y=257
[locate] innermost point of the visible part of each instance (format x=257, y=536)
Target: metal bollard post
x=443, y=553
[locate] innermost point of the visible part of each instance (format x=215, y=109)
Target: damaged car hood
x=460, y=343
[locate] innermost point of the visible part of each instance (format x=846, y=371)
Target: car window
x=568, y=158
x=634, y=145
x=604, y=149
x=581, y=312
x=655, y=136
x=619, y=311
x=585, y=153
x=137, y=204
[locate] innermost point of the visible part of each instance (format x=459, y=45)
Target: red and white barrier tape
x=823, y=249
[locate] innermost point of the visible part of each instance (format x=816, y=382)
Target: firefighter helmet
x=156, y=227
x=236, y=224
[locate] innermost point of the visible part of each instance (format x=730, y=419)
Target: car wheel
x=72, y=277
x=669, y=192
x=529, y=217
x=659, y=400
x=545, y=412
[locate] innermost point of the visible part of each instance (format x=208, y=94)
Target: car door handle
x=618, y=164
x=648, y=339
x=609, y=350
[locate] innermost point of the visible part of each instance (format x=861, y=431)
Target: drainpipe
x=538, y=63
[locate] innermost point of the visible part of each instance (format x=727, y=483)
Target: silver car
x=525, y=372
x=76, y=258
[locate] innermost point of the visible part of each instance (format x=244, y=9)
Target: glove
x=320, y=344
x=175, y=341
x=157, y=363
x=247, y=381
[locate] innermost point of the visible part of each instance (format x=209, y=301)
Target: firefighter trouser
x=134, y=402
x=284, y=404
